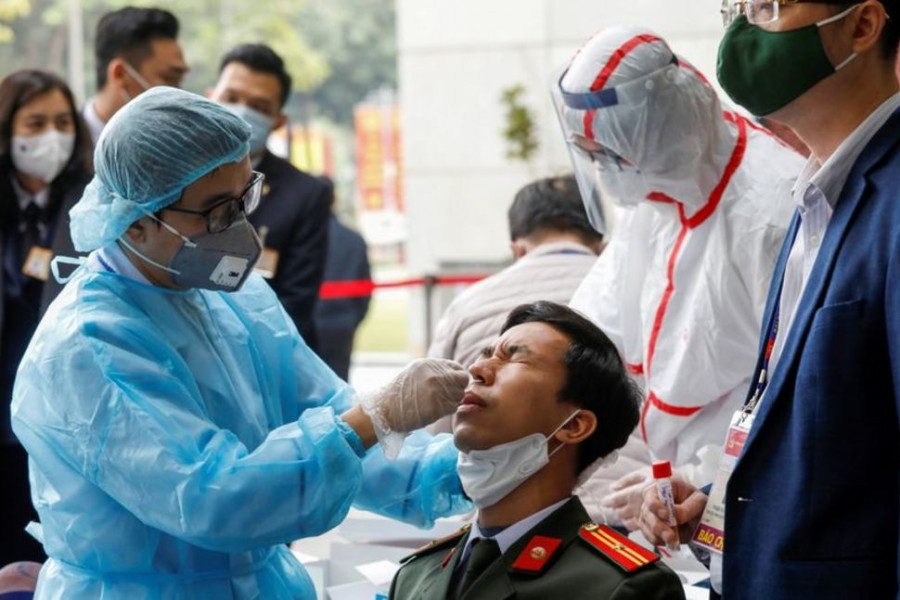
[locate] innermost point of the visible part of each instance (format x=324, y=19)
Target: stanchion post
x=430, y=282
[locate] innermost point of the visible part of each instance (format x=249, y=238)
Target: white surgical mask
x=489, y=475
x=260, y=125
x=43, y=156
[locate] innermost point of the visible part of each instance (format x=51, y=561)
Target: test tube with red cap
x=662, y=475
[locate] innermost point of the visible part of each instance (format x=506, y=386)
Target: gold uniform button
x=538, y=553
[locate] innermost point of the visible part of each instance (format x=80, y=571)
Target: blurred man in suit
x=134, y=49
x=338, y=318
x=292, y=218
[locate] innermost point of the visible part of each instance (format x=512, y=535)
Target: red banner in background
x=379, y=178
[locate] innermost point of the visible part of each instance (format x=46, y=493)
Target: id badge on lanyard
x=37, y=263
x=710, y=534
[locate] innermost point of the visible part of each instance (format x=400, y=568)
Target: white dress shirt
x=94, y=123
x=24, y=198
x=816, y=193
x=42, y=198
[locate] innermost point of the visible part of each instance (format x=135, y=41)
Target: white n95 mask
x=43, y=156
x=488, y=476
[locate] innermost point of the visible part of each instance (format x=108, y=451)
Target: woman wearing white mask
x=45, y=162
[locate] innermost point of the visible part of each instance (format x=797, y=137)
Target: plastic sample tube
x=662, y=474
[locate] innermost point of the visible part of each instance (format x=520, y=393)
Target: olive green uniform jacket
x=564, y=556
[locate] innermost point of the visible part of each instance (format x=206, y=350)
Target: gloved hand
x=426, y=390
x=626, y=498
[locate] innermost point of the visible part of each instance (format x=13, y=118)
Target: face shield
x=645, y=136
x=586, y=162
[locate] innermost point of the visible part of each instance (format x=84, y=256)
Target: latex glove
x=426, y=390
x=626, y=498
x=689, y=505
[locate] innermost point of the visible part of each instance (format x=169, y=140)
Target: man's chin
x=464, y=438
x=467, y=438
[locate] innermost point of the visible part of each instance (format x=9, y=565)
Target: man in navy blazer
x=337, y=319
x=292, y=218
x=811, y=503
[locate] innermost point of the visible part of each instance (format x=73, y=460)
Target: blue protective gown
x=178, y=439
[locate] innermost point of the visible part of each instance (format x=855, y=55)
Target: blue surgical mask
x=260, y=125
x=490, y=475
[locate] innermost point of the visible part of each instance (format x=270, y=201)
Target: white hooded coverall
x=700, y=213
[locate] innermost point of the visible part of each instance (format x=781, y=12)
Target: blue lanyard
x=763, y=379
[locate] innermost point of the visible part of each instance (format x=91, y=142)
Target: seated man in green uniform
x=547, y=404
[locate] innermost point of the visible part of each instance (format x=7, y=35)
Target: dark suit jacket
x=62, y=245
x=337, y=319
x=63, y=195
x=812, y=506
x=577, y=569
x=294, y=211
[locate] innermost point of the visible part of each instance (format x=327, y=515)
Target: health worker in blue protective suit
x=180, y=435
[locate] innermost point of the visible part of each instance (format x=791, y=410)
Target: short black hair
x=596, y=379
x=890, y=37
x=259, y=57
x=551, y=204
x=128, y=33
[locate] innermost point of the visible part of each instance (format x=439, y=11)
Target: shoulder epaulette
x=438, y=543
x=626, y=554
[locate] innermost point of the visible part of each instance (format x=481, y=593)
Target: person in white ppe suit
x=693, y=196
x=179, y=430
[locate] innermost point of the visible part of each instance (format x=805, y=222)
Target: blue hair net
x=158, y=144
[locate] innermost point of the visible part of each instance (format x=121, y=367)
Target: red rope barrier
x=360, y=288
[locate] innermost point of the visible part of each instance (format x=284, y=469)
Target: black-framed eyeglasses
x=222, y=214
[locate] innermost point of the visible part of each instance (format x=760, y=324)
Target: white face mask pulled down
x=489, y=475
x=43, y=156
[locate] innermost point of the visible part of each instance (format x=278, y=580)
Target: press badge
x=710, y=534
x=267, y=263
x=37, y=264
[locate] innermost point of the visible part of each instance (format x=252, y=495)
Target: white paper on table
x=361, y=590
x=304, y=558
x=362, y=527
x=695, y=593
x=379, y=573
x=684, y=563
